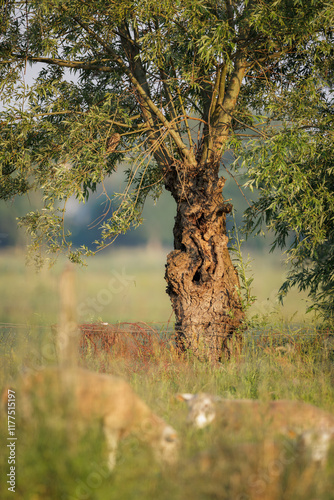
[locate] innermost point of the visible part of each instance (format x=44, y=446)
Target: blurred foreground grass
x=56, y=461
x=124, y=284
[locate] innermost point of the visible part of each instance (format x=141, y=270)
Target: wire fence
x=99, y=342
x=140, y=342
x=131, y=341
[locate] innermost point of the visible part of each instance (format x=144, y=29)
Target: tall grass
x=213, y=464
x=56, y=460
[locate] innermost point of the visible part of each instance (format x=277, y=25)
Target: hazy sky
x=30, y=73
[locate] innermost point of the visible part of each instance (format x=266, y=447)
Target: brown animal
x=92, y=396
x=312, y=426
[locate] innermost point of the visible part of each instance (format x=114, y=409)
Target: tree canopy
x=294, y=169
x=147, y=75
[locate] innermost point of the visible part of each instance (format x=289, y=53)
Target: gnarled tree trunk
x=201, y=280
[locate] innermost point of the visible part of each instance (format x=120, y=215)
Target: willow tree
x=293, y=168
x=164, y=87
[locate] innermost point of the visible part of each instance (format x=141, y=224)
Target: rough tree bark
x=201, y=280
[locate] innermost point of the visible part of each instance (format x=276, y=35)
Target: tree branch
x=221, y=122
x=184, y=151
x=62, y=62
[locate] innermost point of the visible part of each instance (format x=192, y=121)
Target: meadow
x=136, y=294
x=285, y=358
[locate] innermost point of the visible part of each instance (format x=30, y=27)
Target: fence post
x=68, y=335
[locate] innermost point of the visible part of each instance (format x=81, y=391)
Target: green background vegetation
x=28, y=297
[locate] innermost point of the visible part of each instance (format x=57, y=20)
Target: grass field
x=59, y=462
x=124, y=284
